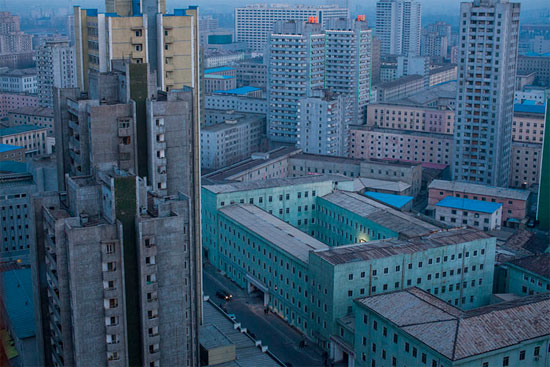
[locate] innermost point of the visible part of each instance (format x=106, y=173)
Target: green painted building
x=414, y=328
x=526, y=276
x=347, y=217
x=543, y=207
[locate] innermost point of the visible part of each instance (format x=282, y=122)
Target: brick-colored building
x=515, y=203
x=406, y=117
x=13, y=101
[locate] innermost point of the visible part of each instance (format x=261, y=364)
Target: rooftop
x=8, y=148
x=379, y=249
x=19, y=129
x=471, y=188
x=538, y=264
x=400, y=81
x=452, y=332
x=272, y=182
x=374, y=184
x=19, y=72
x=281, y=234
x=469, y=204
x=218, y=70
x=443, y=68
x=18, y=301
x=443, y=90
x=392, y=219
x=12, y=166
x=217, y=76
x=247, y=353
x=396, y=201
x=530, y=108
x=239, y=91
x=36, y=111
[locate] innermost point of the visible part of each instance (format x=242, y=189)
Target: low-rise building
x=439, y=119
x=538, y=95
x=526, y=276
x=14, y=101
x=232, y=140
x=252, y=72
x=32, y=138
x=515, y=203
x=246, y=91
x=540, y=64
x=346, y=217
x=215, y=82
x=19, y=81
x=236, y=102
x=457, y=212
x=399, y=88
x=34, y=116
x=406, y=145
x=412, y=327
x=442, y=74
x=12, y=153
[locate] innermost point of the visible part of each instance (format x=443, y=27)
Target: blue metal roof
x=18, y=300
x=19, y=129
x=7, y=148
x=539, y=108
x=469, y=204
x=240, y=91
x=13, y=167
x=217, y=70
x=397, y=201
x=216, y=76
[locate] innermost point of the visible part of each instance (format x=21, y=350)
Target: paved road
x=281, y=339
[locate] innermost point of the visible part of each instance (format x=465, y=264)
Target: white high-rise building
x=399, y=26
x=56, y=67
x=488, y=46
x=296, y=65
x=254, y=23
x=348, y=62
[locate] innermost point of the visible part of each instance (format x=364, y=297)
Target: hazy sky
x=447, y=7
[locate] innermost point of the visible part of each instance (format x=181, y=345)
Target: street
x=281, y=339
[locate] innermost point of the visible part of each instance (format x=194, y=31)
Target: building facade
x=457, y=212
x=399, y=26
x=254, y=22
x=56, y=67
x=32, y=138
x=483, y=134
x=34, y=116
x=14, y=101
x=19, y=81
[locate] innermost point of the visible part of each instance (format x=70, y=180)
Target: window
x=423, y=357
x=505, y=361
x=536, y=352
x=522, y=355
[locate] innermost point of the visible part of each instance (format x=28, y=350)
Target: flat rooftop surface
x=275, y=231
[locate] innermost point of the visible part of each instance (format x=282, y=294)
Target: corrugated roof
x=18, y=300
x=217, y=70
x=273, y=182
x=397, y=201
x=530, y=108
x=281, y=234
x=33, y=110
x=387, y=217
x=19, y=129
x=13, y=167
x=470, y=188
x=375, y=184
x=238, y=91
x=8, y=148
x=217, y=76
x=366, y=251
x=457, y=334
x=469, y=204
x=538, y=264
